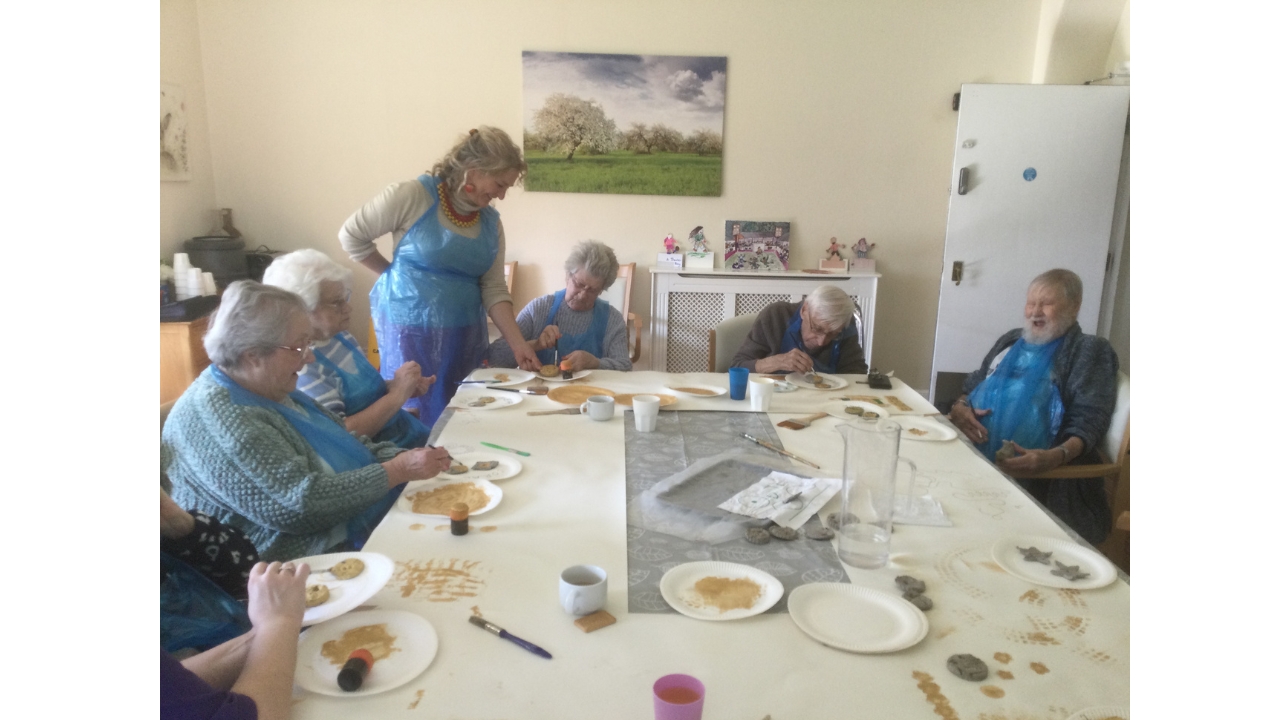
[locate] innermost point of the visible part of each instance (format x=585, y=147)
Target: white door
x=1033, y=188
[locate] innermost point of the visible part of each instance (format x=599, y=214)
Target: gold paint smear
x=439, y=580
x=726, y=594
x=992, y=691
x=945, y=632
x=1031, y=596
x=1039, y=668
x=488, y=528
x=373, y=638
x=441, y=527
x=1003, y=657
x=941, y=705
x=416, y=526
x=439, y=500
x=1005, y=674
x=417, y=698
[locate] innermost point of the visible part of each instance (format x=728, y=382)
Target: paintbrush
x=801, y=423
x=780, y=451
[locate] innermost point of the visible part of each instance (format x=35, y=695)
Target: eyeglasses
x=583, y=287
x=337, y=304
x=300, y=350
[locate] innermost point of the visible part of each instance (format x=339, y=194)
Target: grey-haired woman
x=430, y=300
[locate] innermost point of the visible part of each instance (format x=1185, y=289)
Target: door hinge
x=1107, y=269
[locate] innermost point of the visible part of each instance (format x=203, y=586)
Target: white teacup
x=598, y=407
x=583, y=589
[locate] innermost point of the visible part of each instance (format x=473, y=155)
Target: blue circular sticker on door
x=1029, y=174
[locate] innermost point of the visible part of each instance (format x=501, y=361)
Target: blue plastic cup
x=738, y=383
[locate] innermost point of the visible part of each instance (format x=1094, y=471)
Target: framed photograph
x=624, y=124
x=751, y=246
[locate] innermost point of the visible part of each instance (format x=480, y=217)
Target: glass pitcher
x=867, y=494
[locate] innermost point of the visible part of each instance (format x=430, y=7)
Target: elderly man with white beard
x=1049, y=390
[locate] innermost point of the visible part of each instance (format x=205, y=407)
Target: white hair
x=252, y=318
x=830, y=306
x=596, y=258
x=301, y=272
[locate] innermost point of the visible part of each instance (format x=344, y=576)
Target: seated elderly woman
x=242, y=445
x=341, y=378
x=1049, y=390
x=587, y=331
x=818, y=334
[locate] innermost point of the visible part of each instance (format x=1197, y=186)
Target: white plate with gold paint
x=484, y=399
x=1007, y=555
x=915, y=427
x=831, y=382
x=435, y=497
x=344, y=595
x=402, y=644
x=856, y=619
x=499, y=377
x=712, y=590
x=508, y=467
x=577, y=375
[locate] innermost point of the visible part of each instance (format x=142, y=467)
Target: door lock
x=957, y=271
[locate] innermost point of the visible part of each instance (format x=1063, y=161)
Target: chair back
x=619, y=294
x=509, y=274
x=725, y=339
x=1116, y=442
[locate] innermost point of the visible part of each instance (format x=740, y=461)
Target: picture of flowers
x=751, y=246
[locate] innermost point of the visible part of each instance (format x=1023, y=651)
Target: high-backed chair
x=725, y=339
x=619, y=296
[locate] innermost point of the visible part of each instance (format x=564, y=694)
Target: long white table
x=1067, y=649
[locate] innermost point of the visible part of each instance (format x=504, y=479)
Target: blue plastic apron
x=1026, y=407
x=330, y=440
x=365, y=387
x=427, y=306
x=793, y=339
x=590, y=340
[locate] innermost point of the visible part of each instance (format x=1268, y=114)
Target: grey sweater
x=769, y=330
x=571, y=322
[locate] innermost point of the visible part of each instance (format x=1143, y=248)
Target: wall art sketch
x=175, y=162
x=624, y=124
x=751, y=246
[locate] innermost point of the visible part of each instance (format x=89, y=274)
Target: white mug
x=645, y=408
x=598, y=407
x=583, y=589
x=760, y=390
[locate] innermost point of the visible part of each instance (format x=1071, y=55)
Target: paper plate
x=695, y=390
x=856, y=619
x=576, y=394
x=345, y=595
x=835, y=382
x=514, y=376
x=508, y=467
x=578, y=375
x=1107, y=712
x=678, y=587
x=1101, y=572
x=866, y=407
x=663, y=400
x=780, y=384
x=405, y=501
x=413, y=649
x=466, y=396
x=915, y=427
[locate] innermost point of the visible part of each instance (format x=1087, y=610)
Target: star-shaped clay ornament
x=1070, y=572
x=1034, y=554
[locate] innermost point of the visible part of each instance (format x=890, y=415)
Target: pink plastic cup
x=678, y=697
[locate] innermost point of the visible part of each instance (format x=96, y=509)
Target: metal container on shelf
x=220, y=255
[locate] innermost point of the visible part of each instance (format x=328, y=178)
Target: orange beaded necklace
x=446, y=204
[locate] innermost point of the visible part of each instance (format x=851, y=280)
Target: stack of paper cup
x=209, y=286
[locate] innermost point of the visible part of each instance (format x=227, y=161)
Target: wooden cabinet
x=182, y=356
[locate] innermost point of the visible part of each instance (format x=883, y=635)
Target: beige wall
x=186, y=208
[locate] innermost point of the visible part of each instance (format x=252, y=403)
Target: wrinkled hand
x=580, y=360
x=277, y=593
x=526, y=356
x=547, y=340
x=968, y=420
x=794, y=360
x=1030, y=462
x=424, y=384
x=405, y=382
x=417, y=464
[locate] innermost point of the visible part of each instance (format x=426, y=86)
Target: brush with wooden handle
x=801, y=423
x=566, y=411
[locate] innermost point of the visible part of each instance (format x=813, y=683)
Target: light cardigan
x=248, y=467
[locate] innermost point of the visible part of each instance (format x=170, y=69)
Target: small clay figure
x=783, y=533
x=1070, y=572
x=485, y=465
x=456, y=469
x=698, y=239
x=758, y=536
x=906, y=583
x=833, y=250
x=921, y=601
x=1032, y=554
x=670, y=242
x=817, y=532
x=862, y=249
x=967, y=667
x=1006, y=452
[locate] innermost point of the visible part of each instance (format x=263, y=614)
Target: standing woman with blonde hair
x=429, y=302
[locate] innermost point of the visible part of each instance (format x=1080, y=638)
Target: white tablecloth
x=1067, y=649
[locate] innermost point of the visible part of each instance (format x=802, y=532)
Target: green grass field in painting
x=625, y=173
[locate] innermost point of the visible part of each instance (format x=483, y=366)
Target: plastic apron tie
x=590, y=340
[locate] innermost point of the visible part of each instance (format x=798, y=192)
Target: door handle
x=957, y=271
x=962, y=187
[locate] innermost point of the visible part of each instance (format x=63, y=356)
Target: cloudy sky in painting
x=685, y=93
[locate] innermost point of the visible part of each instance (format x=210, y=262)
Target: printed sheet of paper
x=774, y=497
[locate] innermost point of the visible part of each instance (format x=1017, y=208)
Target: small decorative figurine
x=698, y=239
x=1069, y=572
x=833, y=251
x=1035, y=554
x=862, y=249
x=670, y=242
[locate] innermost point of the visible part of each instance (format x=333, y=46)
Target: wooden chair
x=619, y=296
x=725, y=339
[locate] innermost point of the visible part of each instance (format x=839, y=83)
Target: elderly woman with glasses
x=243, y=446
x=588, y=332
x=341, y=378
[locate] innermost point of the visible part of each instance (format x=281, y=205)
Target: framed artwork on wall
x=751, y=246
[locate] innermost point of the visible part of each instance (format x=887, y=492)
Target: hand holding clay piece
x=1070, y=572
x=1006, y=452
x=1032, y=554
x=967, y=667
